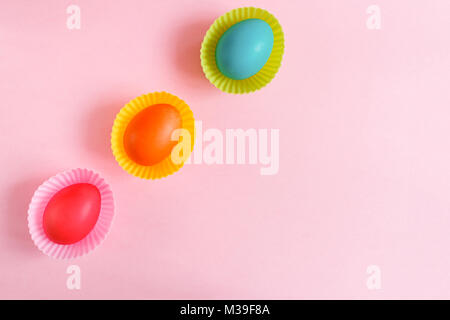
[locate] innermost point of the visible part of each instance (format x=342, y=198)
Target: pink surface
x=364, y=151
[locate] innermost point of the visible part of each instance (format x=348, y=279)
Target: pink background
x=364, y=151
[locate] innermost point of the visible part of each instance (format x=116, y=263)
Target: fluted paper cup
x=124, y=117
x=45, y=193
x=215, y=32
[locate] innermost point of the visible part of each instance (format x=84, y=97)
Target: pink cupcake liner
x=43, y=195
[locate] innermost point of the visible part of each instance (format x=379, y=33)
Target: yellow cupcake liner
x=127, y=113
x=215, y=32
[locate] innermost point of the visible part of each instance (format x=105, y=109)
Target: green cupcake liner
x=215, y=32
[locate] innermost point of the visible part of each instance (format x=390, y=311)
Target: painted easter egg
x=147, y=139
x=244, y=48
x=72, y=213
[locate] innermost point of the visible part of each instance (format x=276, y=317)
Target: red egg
x=72, y=213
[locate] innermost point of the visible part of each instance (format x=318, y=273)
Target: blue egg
x=244, y=49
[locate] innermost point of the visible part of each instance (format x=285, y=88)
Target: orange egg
x=147, y=139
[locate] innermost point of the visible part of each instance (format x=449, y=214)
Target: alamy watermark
x=230, y=146
x=73, y=21
x=373, y=282
x=74, y=280
x=374, y=20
